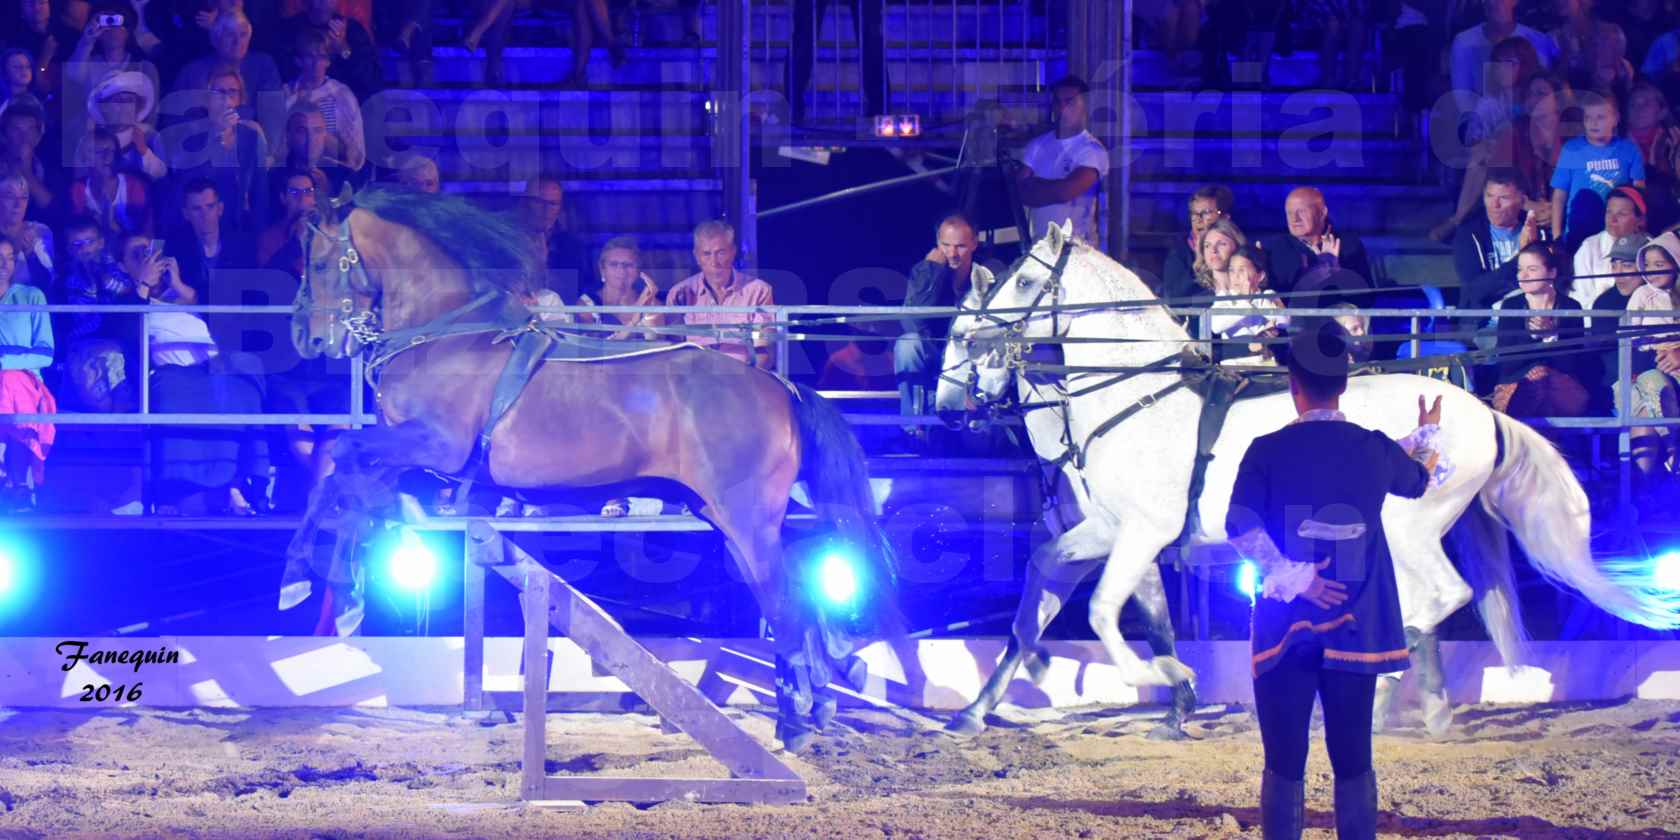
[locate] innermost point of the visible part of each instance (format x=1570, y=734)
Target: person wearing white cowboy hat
x=120, y=103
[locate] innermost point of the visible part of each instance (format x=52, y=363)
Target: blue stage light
x=1665, y=571
x=410, y=565
x=8, y=572
x=837, y=579
x=1248, y=579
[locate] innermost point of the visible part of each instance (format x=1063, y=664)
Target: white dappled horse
x=1133, y=489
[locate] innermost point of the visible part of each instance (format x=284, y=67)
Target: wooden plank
x=534, y=600
x=476, y=556
x=609, y=789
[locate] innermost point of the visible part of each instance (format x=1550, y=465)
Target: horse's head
x=333, y=313
x=977, y=371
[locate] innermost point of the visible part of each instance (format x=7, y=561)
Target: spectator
x=1548, y=385
x=1245, y=288
x=205, y=246
x=232, y=153
x=1222, y=239
x=45, y=38
x=121, y=201
x=624, y=284
x=1064, y=167
x=348, y=46
x=1485, y=253
x=408, y=27
x=305, y=147
x=1311, y=237
x=418, y=173
x=26, y=346
x=1472, y=48
x=588, y=16
x=1624, y=216
x=278, y=246
x=97, y=346
x=1207, y=205
x=17, y=76
x=230, y=41
x=1643, y=22
x=22, y=127
x=1651, y=127
x=1530, y=146
x=1656, y=361
x=1512, y=62
x=1584, y=41
x=1624, y=264
x=32, y=241
x=743, y=336
x=340, y=111
x=1663, y=57
x=104, y=47
x=121, y=104
x=1591, y=167
x=942, y=278
x=563, y=253
x=191, y=375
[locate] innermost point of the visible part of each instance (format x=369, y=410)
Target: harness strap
x=529, y=347
x=1108, y=425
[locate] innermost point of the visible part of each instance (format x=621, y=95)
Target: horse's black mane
x=489, y=245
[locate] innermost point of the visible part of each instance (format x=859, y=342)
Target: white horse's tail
x=1535, y=494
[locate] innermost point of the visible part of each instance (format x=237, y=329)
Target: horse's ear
x=1056, y=238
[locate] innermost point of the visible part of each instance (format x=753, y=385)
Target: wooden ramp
x=756, y=775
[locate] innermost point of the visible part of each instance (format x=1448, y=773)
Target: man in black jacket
x=1207, y=205
x=1311, y=241
x=942, y=278
x=1485, y=250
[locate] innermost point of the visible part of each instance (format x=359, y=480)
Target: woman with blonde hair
x=1219, y=242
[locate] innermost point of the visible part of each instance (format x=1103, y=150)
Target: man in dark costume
x=1307, y=508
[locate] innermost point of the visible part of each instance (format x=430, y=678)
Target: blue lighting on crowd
x=410, y=565
x=1248, y=579
x=1665, y=571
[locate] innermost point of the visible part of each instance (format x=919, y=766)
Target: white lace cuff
x=1423, y=438
x=1284, y=581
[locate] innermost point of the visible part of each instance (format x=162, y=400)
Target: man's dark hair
x=81, y=221
x=1505, y=176
x=1071, y=81
x=198, y=185
x=1318, y=358
x=1219, y=193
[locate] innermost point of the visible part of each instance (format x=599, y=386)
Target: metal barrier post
x=1624, y=404
x=356, y=390
x=145, y=369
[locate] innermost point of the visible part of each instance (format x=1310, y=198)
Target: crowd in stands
x=151, y=146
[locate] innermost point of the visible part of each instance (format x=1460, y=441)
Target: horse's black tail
x=837, y=479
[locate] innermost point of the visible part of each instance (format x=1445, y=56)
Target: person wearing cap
x=1624, y=216
x=1656, y=360
x=121, y=103
x=1325, y=628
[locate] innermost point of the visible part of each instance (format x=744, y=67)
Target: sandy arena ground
x=1607, y=770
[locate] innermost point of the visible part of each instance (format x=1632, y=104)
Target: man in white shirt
x=1064, y=168
x=1472, y=48
x=1624, y=216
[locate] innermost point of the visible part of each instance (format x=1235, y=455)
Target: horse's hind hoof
x=823, y=711
x=1167, y=732
x=798, y=744
x=965, y=726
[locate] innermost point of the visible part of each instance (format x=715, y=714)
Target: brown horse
x=427, y=287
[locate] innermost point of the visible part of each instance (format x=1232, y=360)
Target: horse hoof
x=823, y=711
x=965, y=726
x=1167, y=732
x=798, y=744
x=1172, y=672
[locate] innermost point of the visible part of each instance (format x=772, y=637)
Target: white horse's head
x=976, y=370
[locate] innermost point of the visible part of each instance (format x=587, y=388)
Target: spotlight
x=8, y=572
x=1665, y=571
x=837, y=579
x=1248, y=579
x=410, y=564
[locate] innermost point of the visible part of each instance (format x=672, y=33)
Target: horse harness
x=531, y=339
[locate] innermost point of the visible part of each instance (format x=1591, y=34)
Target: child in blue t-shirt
x=1598, y=162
